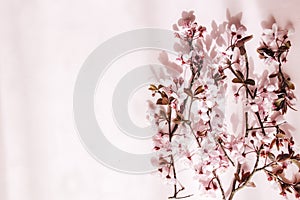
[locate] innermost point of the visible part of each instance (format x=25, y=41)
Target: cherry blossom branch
x=194, y=134
x=260, y=123
x=171, y=134
x=233, y=190
x=272, y=147
x=240, y=78
x=266, y=127
x=264, y=167
x=228, y=157
x=176, y=126
x=175, y=177
x=220, y=185
x=248, y=178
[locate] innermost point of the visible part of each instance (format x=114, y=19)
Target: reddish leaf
x=245, y=176
x=273, y=75
x=240, y=75
x=272, y=143
x=264, y=50
x=242, y=41
x=177, y=121
x=237, y=177
x=164, y=95
x=247, y=38
x=152, y=87
x=236, y=80
x=199, y=90
x=201, y=133
x=160, y=86
x=280, y=135
x=283, y=157
x=279, y=171
x=171, y=99
x=250, y=184
x=162, y=101
x=250, y=82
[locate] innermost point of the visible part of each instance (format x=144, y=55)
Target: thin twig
x=230, y=160
x=220, y=185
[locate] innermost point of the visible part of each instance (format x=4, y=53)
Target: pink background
x=42, y=47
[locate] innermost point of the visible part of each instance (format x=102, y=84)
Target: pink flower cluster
x=191, y=123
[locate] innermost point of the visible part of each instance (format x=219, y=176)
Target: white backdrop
x=42, y=47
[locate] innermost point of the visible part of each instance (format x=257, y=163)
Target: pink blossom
x=189, y=113
x=187, y=18
x=271, y=36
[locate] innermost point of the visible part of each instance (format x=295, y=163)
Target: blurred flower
x=187, y=18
